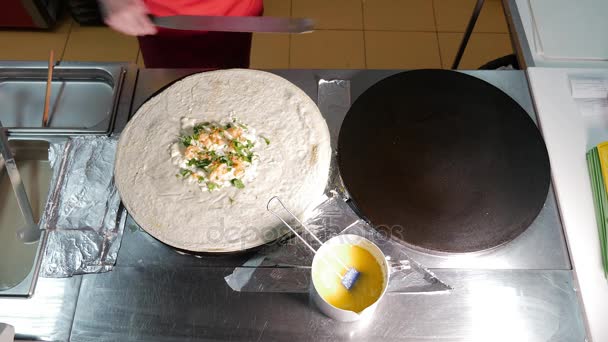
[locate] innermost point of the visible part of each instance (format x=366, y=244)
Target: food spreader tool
x=349, y=278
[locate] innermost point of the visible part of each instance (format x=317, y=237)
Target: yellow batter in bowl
x=367, y=289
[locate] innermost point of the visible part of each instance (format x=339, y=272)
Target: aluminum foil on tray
x=82, y=217
x=284, y=266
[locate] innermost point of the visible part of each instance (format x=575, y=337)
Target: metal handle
x=31, y=232
x=290, y=227
x=300, y=236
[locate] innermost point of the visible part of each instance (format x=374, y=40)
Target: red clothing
x=191, y=49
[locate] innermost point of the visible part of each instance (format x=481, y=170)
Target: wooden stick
x=49, y=81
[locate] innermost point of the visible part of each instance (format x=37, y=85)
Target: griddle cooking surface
x=444, y=161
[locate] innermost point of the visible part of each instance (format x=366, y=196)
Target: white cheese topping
x=216, y=154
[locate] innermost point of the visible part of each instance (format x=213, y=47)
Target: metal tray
x=19, y=262
x=84, y=97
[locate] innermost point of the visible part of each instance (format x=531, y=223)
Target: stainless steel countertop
x=149, y=303
x=156, y=294
x=48, y=315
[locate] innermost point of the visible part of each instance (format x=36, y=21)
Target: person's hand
x=127, y=16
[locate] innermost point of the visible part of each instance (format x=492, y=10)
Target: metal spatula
x=349, y=278
x=234, y=24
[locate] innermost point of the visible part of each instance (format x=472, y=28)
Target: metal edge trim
x=518, y=34
x=557, y=206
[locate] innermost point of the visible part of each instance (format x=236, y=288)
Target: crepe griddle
x=443, y=161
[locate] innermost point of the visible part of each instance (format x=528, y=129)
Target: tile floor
x=378, y=34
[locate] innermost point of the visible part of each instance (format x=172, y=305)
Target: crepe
x=294, y=165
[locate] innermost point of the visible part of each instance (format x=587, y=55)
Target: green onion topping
x=237, y=183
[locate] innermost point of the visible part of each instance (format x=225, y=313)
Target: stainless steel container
x=84, y=97
x=19, y=261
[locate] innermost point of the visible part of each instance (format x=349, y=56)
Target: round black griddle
x=443, y=161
